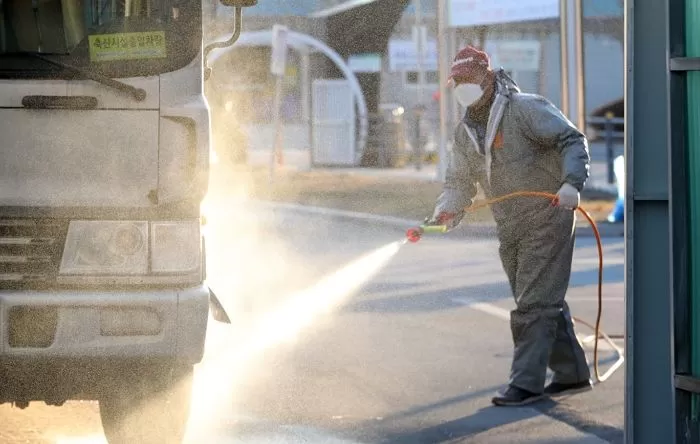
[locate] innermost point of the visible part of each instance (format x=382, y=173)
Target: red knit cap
x=470, y=65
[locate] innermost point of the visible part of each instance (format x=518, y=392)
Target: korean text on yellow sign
x=127, y=46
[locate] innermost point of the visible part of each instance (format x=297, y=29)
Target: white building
x=524, y=40
x=520, y=35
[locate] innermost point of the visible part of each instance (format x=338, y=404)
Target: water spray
x=415, y=234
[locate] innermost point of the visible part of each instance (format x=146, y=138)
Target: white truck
x=104, y=161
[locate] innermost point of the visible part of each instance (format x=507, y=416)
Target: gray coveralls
x=527, y=145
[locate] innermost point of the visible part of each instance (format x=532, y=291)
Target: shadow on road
x=562, y=412
x=380, y=297
x=483, y=420
x=422, y=409
x=491, y=418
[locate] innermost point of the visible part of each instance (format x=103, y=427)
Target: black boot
x=514, y=396
x=556, y=389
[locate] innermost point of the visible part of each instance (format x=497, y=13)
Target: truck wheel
x=151, y=408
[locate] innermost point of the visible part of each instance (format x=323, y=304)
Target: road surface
x=344, y=335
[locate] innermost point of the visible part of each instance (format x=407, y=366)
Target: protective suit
x=527, y=144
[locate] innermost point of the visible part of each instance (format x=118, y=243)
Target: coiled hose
x=598, y=333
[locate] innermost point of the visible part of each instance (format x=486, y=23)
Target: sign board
x=278, y=59
x=464, y=13
x=127, y=46
x=365, y=63
x=515, y=55
x=403, y=56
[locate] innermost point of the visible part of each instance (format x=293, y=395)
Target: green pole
x=692, y=39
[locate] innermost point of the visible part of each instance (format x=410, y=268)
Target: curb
x=606, y=230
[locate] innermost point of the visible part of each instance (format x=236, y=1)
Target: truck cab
x=104, y=161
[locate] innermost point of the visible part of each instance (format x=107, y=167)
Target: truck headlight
x=175, y=246
x=106, y=247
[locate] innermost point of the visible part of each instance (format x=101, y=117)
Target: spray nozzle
x=414, y=234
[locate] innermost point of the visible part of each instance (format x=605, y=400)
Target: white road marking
x=491, y=309
x=502, y=313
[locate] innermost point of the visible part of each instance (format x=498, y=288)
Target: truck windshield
x=115, y=38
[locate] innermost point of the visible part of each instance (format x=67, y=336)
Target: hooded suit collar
x=505, y=87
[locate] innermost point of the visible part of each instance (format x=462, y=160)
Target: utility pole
x=580, y=77
x=573, y=98
x=419, y=36
x=444, y=96
x=278, y=63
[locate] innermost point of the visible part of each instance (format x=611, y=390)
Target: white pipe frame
x=299, y=41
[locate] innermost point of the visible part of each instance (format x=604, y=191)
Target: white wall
x=604, y=74
x=604, y=70
x=262, y=136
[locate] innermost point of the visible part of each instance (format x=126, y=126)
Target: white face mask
x=467, y=93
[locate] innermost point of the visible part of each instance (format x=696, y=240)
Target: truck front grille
x=30, y=252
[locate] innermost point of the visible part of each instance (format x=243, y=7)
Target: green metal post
x=692, y=40
x=649, y=260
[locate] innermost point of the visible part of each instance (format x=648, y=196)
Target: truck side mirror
x=237, y=22
x=239, y=3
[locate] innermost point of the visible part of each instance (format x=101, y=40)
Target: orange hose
x=596, y=328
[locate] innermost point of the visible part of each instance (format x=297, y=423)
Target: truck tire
x=152, y=408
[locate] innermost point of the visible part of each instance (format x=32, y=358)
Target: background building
x=528, y=49
x=520, y=37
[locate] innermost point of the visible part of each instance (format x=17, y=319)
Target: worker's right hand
x=450, y=219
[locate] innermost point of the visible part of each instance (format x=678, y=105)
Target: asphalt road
x=342, y=334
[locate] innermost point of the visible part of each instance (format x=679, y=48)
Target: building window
x=431, y=78
x=428, y=8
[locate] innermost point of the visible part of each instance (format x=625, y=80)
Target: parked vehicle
x=105, y=160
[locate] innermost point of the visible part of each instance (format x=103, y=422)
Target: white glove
x=451, y=220
x=567, y=197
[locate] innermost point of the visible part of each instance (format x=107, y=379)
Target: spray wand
x=416, y=233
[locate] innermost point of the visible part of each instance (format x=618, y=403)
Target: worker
x=509, y=141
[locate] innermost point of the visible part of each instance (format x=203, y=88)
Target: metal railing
x=611, y=137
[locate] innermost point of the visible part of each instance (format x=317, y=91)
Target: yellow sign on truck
x=127, y=46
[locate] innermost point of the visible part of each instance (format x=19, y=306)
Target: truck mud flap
x=217, y=310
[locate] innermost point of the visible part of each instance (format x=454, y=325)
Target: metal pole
x=278, y=63
x=276, y=148
x=541, y=84
x=306, y=94
x=564, y=60
x=419, y=35
x=580, y=76
x=571, y=61
x=692, y=141
x=443, y=72
x=649, y=277
x=305, y=83
x=572, y=76
x=609, y=146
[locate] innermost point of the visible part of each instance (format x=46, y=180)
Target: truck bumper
x=104, y=326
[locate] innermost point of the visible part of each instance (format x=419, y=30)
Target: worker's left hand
x=568, y=197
